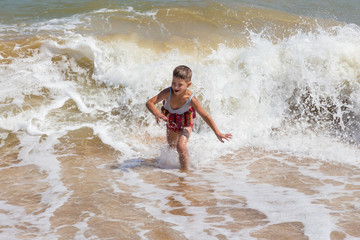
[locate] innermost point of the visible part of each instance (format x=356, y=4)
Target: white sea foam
x=11, y=215
x=32, y=150
x=249, y=91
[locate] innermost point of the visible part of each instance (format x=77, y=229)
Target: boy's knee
x=181, y=148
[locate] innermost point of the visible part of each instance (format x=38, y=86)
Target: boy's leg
x=172, y=138
x=182, y=147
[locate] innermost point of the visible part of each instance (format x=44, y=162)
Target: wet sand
x=108, y=200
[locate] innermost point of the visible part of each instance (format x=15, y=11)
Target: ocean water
x=82, y=158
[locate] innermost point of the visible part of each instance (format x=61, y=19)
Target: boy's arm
x=150, y=104
x=209, y=121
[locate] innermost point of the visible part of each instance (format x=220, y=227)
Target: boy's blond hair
x=183, y=72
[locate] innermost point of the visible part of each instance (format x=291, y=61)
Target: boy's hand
x=222, y=136
x=160, y=117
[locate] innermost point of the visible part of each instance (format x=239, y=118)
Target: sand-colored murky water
x=138, y=200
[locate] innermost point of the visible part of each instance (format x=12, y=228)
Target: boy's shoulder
x=165, y=92
x=188, y=92
x=190, y=95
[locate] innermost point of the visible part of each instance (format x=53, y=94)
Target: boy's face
x=179, y=85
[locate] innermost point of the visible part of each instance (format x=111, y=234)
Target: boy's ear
x=189, y=84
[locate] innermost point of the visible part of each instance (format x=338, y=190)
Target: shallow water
x=251, y=194
x=82, y=158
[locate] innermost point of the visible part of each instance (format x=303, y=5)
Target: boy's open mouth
x=176, y=91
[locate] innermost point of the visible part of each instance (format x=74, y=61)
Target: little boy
x=179, y=109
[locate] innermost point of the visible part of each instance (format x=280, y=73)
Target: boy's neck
x=181, y=95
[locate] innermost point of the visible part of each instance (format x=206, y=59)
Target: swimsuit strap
x=184, y=108
x=189, y=100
